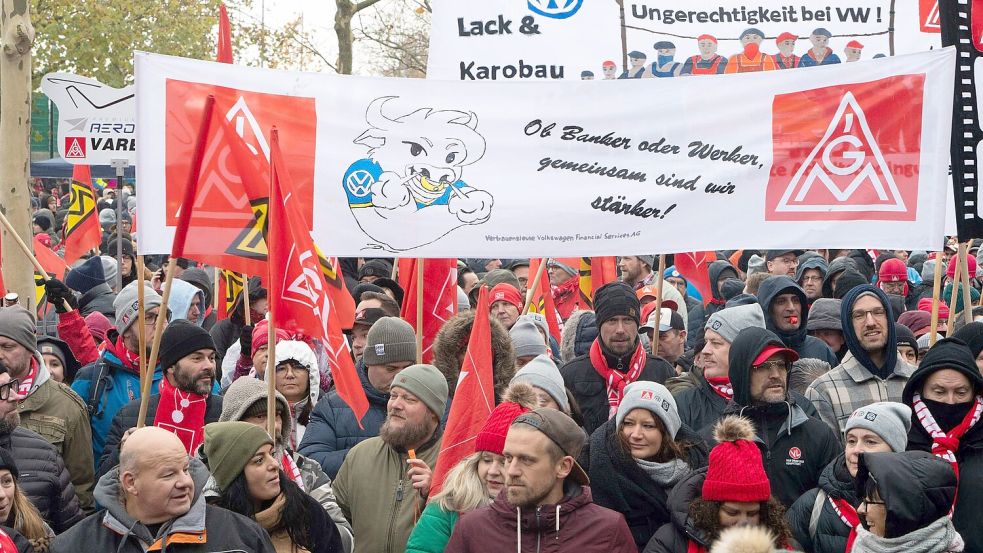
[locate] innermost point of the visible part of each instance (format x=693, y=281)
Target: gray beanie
x=427, y=383
x=889, y=420
x=539, y=320
x=542, y=373
x=243, y=393
x=463, y=303
x=656, y=398
x=728, y=322
x=390, y=340
x=109, y=269
x=648, y=260
x=756, y=264
x=526, y=339
x=18, y=324
x=127, y=306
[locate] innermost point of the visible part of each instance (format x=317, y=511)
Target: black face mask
x=946, y=414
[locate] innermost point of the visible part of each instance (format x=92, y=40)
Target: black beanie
x=614, y=299
x=948, y=353
x=731, y=287
x=850, y=279
x=43, y=222
x=181, y=338
x=972, y=334
x=7, y=462
x=905, y=336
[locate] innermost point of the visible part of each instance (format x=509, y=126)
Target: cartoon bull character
x=408, y=192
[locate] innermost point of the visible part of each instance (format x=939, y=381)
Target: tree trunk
x=343, y=28
x=16, y=39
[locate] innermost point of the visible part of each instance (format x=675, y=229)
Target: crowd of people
x=805, y=403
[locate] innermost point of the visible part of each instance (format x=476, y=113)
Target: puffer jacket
x=332, y=429
x=590, y=391
x=574, y=524
x=579, y=332
x=452, y=339
x=836, y=268
x=43, y=478
x=831, y=532
x=674, y=537
x=798, y=339
x=99, y=298
x=203, y=529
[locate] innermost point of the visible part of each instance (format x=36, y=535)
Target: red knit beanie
x=892, y=270
x=950, y=271
x=507, y=293
x=518, y=399
x=261, y=334
x=736, y=472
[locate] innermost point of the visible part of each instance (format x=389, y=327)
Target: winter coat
x=43, y=478
x=300, y=412
x=73, y=330
x=618, y=483
x=203, y=281
x=590, y=391
x=377, y=497
x=225, y=333
x=799, y=339
x=831, y=532
x=126, y=418
x=99, y=298
x=332, y=429
x=182, y=296
x=203, y=529
x=579, y=332
x=57, y=413
x=122, y=387
x=836, y=267
x=433, y=530
x=324, y=536
x=674, y=536
x=574, y=524
x=717, y=271
x=695, y=319
x=452, y=339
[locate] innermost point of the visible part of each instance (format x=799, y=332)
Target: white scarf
x=938, y=537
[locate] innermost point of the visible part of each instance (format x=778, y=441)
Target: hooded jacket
x=203, y=529
x=452, y=340
x=675, y=536
x=579, y=332
x=43, y=478
x=813, y=262
x=798, y=339
x=182, y=294
x=836, y=267
x=717, y=271
x=99, y=298
x=795, y=447
x=574, y=524
x=200, y=279
x=300, y=412
x=332, y=429
x=831, y=532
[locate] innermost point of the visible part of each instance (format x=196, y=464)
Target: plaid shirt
x=850, y=386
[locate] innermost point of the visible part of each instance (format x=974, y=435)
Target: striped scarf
x=945, y=445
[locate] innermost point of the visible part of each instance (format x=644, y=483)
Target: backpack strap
x=817, y=511
x=97, y=389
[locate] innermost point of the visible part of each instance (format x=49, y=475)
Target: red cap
x=772, y=349
x=854, y=44
x=893, y=270
x=653, y=292
x=785, y=36
x=507, y=293
x=951, y=269
x=925, y=304
x=261, y=334
x=608, y=63
x=706, y=37
x=492, y=435
x=735, y=471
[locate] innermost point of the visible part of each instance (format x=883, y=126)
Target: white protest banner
x=565, y=39
x=96, y=122
x=843, y=156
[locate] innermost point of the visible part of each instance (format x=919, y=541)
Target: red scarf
x=129, y=359
x=183, y=413
x=614, y=379
x=694, y=547
x=289, y=466
x=721, y=386
x=24, y=388
x=849, y=517
x=945, y=445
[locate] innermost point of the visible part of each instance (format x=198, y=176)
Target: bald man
x=153, y=500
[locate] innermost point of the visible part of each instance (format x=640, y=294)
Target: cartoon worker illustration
x=586, y=75
x=853, y=50
x=786, y=58
x=820, y=53
x=637, y=69
x=409, y=191
x=752, y=58
x=610, y=70
x=664, y=66
x=709, y=62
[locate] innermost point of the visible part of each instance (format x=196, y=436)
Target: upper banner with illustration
x=824, y=158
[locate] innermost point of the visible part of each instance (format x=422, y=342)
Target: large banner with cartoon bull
x=833, y=157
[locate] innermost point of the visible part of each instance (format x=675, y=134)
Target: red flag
x=53, y=265
x=224, y=54
x=594, y=273
x=229, y=285
x=439, y=298
x=299, y=300
x=542, y=299
x=474, y=397
x=694, y=266
x=82, y=232
x=341, y=299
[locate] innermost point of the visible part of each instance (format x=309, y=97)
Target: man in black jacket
x=616, y=358
x=785, y=307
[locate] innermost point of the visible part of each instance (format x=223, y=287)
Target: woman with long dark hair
x=17, y=511
x=240, y=458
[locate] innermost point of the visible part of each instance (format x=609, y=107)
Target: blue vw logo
x=556, y=9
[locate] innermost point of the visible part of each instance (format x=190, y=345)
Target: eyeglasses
x=861, y=315
x=872, y=502
x=771, y=365
x=812, y=278
x=282, y=368
x=5, y=389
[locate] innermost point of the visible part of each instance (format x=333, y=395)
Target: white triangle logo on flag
x=932, y=20
x=864, y=177
x=75, y=149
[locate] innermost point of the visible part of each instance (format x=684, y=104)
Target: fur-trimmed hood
x=579, y=332
x=452, y=341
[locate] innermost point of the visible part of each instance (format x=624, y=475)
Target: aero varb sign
x=96, y=122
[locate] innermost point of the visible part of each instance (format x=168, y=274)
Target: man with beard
x=187, y=399
x=636, y=270
x=384, y=481
x=795, y=447
x=944, y=394
x=546, y=494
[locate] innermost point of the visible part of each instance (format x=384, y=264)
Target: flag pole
x=215, y=288
x=180, y=236
x=23, y=245
x=419, y=309
x=967, y=301
x=956, y=279
x=936, y=292
x=659, y=282
x=142, y=325
x=270, y=372
x=531, y=292
x=247, y=316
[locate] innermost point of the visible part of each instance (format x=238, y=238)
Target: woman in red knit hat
x=476, y=480
x=732, y=491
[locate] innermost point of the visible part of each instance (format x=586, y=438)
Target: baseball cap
x=369, y=316
x=790, y=355
x=785, y=36
x=563, y=432
x=775, y=254
x=651, y=291
x=668, y=320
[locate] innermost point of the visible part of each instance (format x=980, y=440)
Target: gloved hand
x=60, y=296
x=246, y=341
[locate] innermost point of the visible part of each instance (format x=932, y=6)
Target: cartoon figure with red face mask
x=752, y=58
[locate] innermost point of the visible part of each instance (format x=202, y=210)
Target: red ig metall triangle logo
x=928, y=16
x=847, y=152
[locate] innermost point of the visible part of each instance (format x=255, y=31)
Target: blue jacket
x=122, y=387
x=332, y=429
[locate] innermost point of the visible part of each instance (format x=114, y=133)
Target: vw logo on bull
x=556, y=9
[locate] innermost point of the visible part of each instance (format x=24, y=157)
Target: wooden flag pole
x=659, y=282
x=158, y=332
x=419, y=309
x=936, y=292
x=531, y=292
x=142, y=325
x=247, y=315
x=957, y=275
x=23, y=245
x=271, y=380
x=967, y=299
x=217, y=286
x=395, y=272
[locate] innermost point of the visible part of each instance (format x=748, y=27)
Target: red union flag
x=928, y=16
x=845, y=153
x=694, y=266
x=82, y=231
x=299, y=300
x=439, y=298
